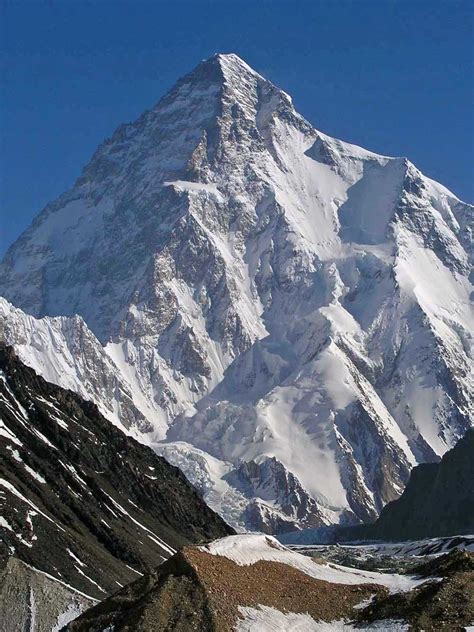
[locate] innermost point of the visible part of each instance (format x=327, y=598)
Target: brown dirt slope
x=198, y=591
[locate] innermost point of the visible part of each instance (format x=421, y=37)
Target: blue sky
x=393, y=76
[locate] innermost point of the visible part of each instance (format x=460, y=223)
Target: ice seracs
x=294, y=309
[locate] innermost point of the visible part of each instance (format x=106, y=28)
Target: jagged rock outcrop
x=266, y=484
x=81, y=503
x=261, y=290
x=437, y=501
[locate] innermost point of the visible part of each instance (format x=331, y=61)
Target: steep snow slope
x=65, y=352
x=289, y=310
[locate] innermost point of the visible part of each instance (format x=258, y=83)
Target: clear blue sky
x=393, y=76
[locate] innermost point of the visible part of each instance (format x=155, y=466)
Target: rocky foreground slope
x=287, y=316
x=254, y=584
x=83, y=507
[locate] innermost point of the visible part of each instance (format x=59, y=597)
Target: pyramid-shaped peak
x=223, y=76
x=233, y=61
x=227, y=67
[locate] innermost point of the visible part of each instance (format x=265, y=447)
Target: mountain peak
x=228, y=61
x=226, y=70
x=231, y=61
x=261, y=290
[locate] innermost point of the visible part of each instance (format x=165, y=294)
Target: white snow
x=266, y=619
x=5, y=524
x=8, y=486
x=248, y=549
x=59, y=581
x=307, y=540
x=155, y=538
x=194, y=186
x=31, y=472
x=132, y=569
x=8, y=434
x=74, y=557
x=208, y=475
x=81, y=572
x=34, y=474
x=73, y=610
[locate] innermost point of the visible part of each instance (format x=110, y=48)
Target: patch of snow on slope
x=248, y=549
x=267, y=619
x=73, y=610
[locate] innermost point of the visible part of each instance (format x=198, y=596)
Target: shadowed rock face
x=79, y=499
x=438, y=499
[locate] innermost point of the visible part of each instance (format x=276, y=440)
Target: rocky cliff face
x=437, y=501
x=82, y=504
x=257, y=292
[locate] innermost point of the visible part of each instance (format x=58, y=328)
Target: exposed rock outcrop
x=81, y=503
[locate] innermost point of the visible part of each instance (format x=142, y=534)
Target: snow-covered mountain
x=285, y=316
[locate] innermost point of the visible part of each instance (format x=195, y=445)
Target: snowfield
x=265, y=619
